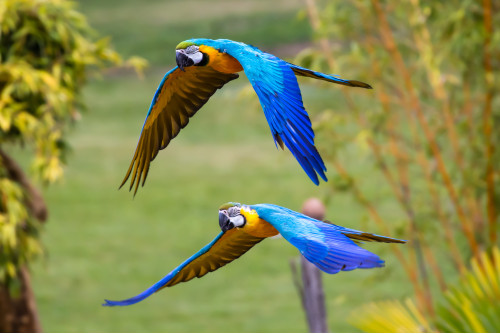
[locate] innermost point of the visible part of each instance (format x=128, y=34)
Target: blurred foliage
x=18, y=231
x=469, y=306
x=47, y=50
x=472, y=304
x=427, y=127
x=391, y=317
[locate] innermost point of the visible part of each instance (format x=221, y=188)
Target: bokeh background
x=104, y=243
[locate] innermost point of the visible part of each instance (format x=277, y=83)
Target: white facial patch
x=196, y=57
x=238, y=220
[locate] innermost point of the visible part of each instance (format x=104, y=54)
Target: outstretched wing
x=323, y=244
x=180, y=95
x=225, y=248
x=280, y=97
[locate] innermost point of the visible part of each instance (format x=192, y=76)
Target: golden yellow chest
x=221, y=62
x=256, y=226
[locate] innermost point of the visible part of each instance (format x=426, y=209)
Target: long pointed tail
x=330, y=78
x=365, y=236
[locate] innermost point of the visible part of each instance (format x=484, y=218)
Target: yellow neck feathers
x=256, y=226
x=221, y=62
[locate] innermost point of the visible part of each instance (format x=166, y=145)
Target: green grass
x=153, y=28
x=103, y=243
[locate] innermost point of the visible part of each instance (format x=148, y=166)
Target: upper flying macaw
x=324, y=244
x=205, y=65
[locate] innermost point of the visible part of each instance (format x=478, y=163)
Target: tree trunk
x=18, y=314
x=314, y=297
x=310, y=284
x=18, y=311
x=35, y=202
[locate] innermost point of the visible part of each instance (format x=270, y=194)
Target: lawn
x=103, y=243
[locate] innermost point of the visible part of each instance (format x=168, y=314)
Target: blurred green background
x=103, y=243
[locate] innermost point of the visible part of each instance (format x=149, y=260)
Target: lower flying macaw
x=205, y=65
x=324, y=244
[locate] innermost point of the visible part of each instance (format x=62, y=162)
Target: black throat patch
x=203, y=61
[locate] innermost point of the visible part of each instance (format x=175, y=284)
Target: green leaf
x=47, y=50
x=469, y=306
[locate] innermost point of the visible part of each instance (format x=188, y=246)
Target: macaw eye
x=191, y=49
x=233, y=211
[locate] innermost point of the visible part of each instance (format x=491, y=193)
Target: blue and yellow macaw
x=324, y=244
x=205, y=65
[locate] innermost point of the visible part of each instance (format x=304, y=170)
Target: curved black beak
x=224, y=222
x=182, y=60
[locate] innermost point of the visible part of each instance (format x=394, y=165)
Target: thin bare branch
x=487, y=123
x=414, y=104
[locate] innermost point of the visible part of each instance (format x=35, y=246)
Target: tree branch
x=35, y=202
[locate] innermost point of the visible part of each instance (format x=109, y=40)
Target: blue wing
x=279, y=94
x=326, y=245
x=226, y=247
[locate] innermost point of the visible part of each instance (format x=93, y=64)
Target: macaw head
x=187, y=53
x=230, y=216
